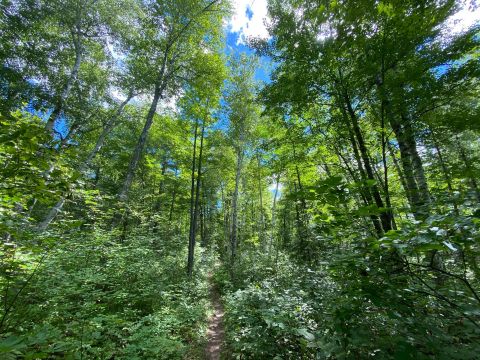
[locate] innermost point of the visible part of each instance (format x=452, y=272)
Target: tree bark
x=111, y=123
x=193, y=223
x=261, y=232
x=132, y=167
x=203, y=216
x=59, y=106
x=233, y=234
x=192, y=203
x=384, y=217
x=416, y=186
x=274, y=207
x=53, y=212
x=384, y=141
x=398, y=169
x=365, y=192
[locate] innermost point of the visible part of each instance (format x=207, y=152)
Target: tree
x=184, y=37
x=242, y=113
x=201, y=102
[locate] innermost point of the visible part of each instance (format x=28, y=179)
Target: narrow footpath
x=216, y=331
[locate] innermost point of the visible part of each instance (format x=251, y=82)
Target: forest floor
x=216, y=331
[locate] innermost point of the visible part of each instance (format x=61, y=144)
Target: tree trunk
x=420, y=175
x=223, y=246
x=301, y=211
x=411, y=164
x=193, y=231
x=261, y=230
x=132, y=167
x=384, y=141
x=59, y=106
x=384, y=217
x=233, y=234
x=111, y=123
x=157, y=207
x=174, y=194
x=192, y=203
x=53, y=212
x=398, y=169
x=203, y=216
x=274, y=207
x=365, y=192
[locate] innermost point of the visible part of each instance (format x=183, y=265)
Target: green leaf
x=306, y=334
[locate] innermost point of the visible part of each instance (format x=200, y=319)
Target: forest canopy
x=159, y=199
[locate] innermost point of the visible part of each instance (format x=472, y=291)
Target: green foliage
x=336, y=310
x=26, y=161
x=266, y=319
x=336, y=209
x=97, y=298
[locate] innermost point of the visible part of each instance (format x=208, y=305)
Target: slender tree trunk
x=378, y=176
x=326, y=167
x=420, y=175
x=132, y=167
x=261, y=232
x=354, y=178
x=301, y=211
x=411, y=163
x=385, y=219
x=158, y=93
x=111, y=123
x=53, y=212
x=157, y=207
x=203, y=215
x=192, y=203
x=365, y=192
x=284, y=232
x=233, y=235
x=384, y=141
x=274, y=208
x=399, y=170
x=193, y=231
x=56, y=112
x=59, y=106
x=174, y=194
x=224, y=246
x=300, y=187
x=298, y=218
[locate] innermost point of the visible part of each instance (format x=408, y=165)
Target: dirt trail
x=215, y=332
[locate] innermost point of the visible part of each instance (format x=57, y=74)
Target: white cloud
x=245, y=26
x=463, y=19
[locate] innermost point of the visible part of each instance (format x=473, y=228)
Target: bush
x=103, y=299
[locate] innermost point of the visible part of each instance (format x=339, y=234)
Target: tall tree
x=178, y=41
x=242, y=112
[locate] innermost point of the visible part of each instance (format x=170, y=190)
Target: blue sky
x=248, y=20
x=232, y=46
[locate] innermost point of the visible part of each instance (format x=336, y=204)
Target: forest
x=167, y=192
